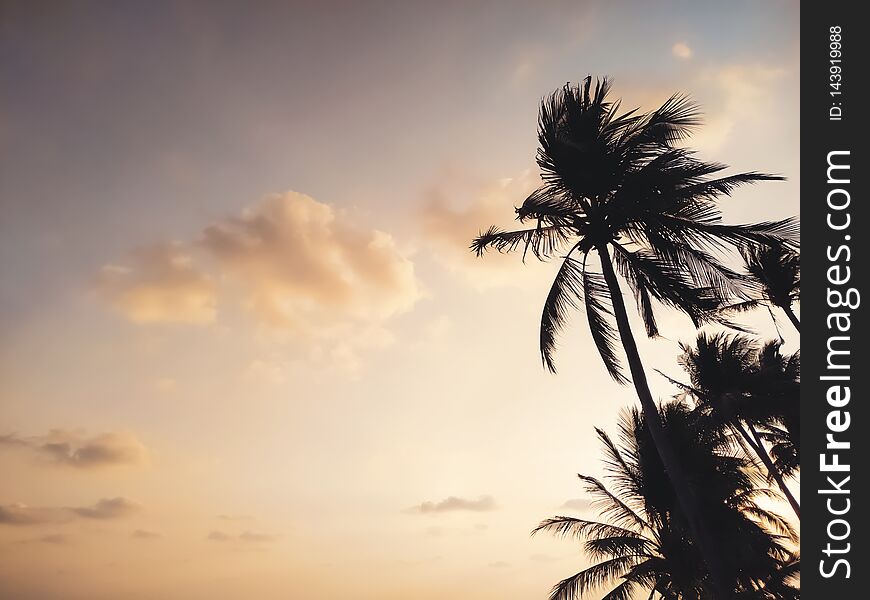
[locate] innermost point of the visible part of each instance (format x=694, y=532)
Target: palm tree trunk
x=686, y=496
x=758, y=446
x=791, y=316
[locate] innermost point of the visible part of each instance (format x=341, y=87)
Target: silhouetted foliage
x=618, y=180
x=774, y=278
x=642, y=542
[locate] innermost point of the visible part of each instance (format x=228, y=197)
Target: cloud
x=159, y=283
x=23, y=515
x=301, y=269
x=742, y=97
x=59, y=539
x=107, y=508
x=251, y=537
x=577, y=504
x=74, y=449
x=682, y=51
x=303, y=263
x=455, y=503
x=142, y=534
x=455, y=211
x=255, y=537
x=53, y=539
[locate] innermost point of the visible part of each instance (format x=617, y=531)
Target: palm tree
x=776, y=278
x=753, y=391
x=641, y=543
x=618, y=183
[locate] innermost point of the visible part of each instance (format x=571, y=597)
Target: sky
x=244, y=349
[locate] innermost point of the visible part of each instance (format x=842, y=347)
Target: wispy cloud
x=53, y=539
x=78, y=450
x=107, y=508
x=251, y=537
x=454, y=504
x=143, y=534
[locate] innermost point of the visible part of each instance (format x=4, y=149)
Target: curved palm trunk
x=791, y=316
x=686, y=496
x=765, y=458
x=758, y=447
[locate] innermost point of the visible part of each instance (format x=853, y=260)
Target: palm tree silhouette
x=753, y=391
x=618, y=183
x=775, y=275
x=641, y=543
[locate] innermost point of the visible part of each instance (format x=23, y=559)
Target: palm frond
x=611, y=506
x=669, y=283
x=624, y=545
x=599, y=314
x=566, y=293
x=544, y=241
x=580, y=528
x=595, y=576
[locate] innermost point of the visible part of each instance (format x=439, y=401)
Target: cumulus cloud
x=453, y=214
x=159, y=283
x=682, y=51
x=302, y=269
x=455, y=503
x=107, y=508
x=75, y=449
x=302, y=260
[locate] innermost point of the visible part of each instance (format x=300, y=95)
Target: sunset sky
x=244, y=349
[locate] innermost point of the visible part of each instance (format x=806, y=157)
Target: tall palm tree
x=752, y=390
x=617, y=188
x=641, y=543
x=775, y=274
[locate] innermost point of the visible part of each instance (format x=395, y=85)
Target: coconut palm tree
x=774, y=271
x=617, y=190
x=752, y=390
x=641, y=542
